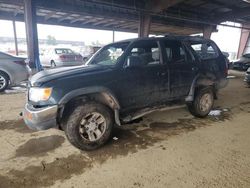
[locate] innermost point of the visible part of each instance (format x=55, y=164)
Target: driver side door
x=141, y=84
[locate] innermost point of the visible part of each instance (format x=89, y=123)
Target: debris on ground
x=215, y=113
x=231, y=77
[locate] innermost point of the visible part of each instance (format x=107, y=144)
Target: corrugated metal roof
x=185, y=17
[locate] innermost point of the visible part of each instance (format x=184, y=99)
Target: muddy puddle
x=18, y=126
x=40, y=146
x=129, y=139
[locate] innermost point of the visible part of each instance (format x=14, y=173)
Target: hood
x=51, y=74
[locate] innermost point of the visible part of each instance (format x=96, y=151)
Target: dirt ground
x=165, y=149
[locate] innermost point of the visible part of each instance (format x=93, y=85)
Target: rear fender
x=200, y=81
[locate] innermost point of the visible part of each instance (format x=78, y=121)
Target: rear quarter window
x=205, y=50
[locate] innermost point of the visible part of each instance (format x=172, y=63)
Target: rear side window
x=205, y=50
x=174, y=52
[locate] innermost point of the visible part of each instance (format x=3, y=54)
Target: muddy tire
x=89, y=125
x=203, y=102
x=4, y=81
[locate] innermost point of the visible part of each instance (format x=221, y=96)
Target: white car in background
x=58, y=57
x=13, y=70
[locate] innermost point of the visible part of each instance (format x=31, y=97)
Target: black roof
x=170, y=37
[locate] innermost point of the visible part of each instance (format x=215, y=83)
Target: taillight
x=23, y=63
x=62, y=56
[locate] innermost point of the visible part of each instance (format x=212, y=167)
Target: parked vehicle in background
x=243, y=63
x=13, y=70
x=94, y=49
x=58, y=57
x=124, y=81
x=247, y=77
x=229, y=64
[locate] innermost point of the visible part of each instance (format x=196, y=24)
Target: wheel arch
x=201, y=81
x=7, y=74
x=96, y=93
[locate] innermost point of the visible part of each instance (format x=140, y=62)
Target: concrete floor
x=166, y=149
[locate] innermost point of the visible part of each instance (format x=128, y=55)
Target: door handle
x=194, y=68
x=161, y=73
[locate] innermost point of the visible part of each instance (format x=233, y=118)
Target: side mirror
x=134, y=61
x=225, y=54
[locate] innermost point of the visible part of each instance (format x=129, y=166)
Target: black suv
x=124, y=81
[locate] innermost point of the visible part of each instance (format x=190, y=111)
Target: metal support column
x=244, y=38
x=31, y=34
x=15, y=37
x=113, y=36
x=207, y=32
x=144, y=25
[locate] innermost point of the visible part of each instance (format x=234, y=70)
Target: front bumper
x=40, y=118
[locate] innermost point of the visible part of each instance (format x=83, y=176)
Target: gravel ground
x=165, y=149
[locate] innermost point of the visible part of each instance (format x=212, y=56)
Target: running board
x=146, y=111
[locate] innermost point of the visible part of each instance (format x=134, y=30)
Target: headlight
x=39, y=94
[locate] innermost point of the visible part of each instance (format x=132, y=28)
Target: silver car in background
x=13, y=70
x=58, y=57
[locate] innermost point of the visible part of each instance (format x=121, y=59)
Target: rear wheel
x=203, y=102
x=4, y=81
x=53, y=64
x=89, y=125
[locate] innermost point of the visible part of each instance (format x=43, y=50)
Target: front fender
x=89, y=90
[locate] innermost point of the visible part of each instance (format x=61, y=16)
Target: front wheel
x=89, y=125
x=203, y=102
x=4, y=81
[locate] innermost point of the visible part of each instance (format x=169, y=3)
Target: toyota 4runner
x=124, y=81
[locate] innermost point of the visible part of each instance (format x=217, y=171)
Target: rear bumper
x=40, y=118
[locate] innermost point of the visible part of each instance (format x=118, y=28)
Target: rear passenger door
x=182, y=68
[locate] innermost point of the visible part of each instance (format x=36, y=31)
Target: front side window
x=147, y=51
x=110, y=54
x=205, y=50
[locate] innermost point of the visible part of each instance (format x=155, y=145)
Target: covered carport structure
x=183, y=17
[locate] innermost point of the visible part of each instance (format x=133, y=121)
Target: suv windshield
x=110, y=54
